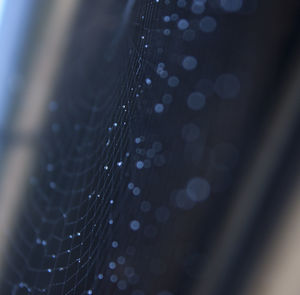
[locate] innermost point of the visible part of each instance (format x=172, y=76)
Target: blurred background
x=149, y=147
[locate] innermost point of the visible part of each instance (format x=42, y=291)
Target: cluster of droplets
x=226, y=86
x=147, y=154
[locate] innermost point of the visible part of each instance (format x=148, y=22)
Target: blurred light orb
x=134, y=225
x=145, y=206
x=167, y=32
x=183, y=24
x=231, y=5
x=162, y=214
x=173, y=81
x=122, y=285
x=174, y=16
x=159, y=108
x=189, y=35
x=166, y=18
x=136, y=191
x=196, y=101
x=198, y=7
x=227, y=86
x=139, y=164
x=182, y=200
x=208, y=24
x=181, y=3
x=198, y=189
x=189, y=63
x=190, y=132
x=167, y=98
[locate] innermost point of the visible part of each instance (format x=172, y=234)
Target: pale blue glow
x=14, y=20
x=2, y=5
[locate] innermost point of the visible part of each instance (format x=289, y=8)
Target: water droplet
x=196, y=101
x=139, y=164
x=189, y=63
x=134, y=225
x=158, y=108
x=115, y=244
x=173, y=81
x=208, y=24
x=198, y=189
x=183, y=24
x=231, y=5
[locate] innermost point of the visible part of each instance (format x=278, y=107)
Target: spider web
x=111, y=194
